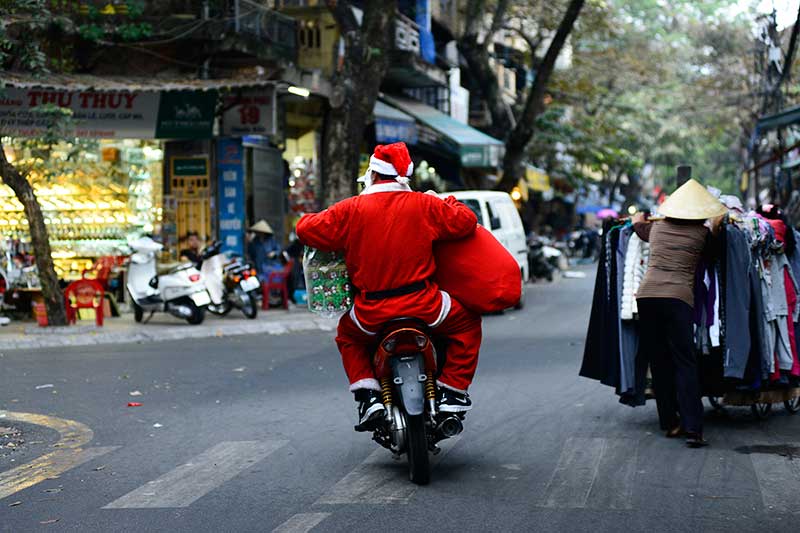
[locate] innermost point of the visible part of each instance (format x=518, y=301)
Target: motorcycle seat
x=402, y=323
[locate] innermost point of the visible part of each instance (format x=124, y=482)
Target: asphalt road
x=255, y=433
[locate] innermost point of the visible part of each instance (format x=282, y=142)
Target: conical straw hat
x=692, y=202
x=261, y=227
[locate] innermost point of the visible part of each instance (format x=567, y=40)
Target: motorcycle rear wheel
x=419, y=471
x=138, y=313
x=198, y=313
x=249, y=306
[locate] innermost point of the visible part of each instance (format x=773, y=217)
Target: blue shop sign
x=389, y=130
x=230, y=186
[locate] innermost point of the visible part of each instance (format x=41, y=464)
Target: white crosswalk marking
x=301, y=523
x=779, y=481
x=379, y=479
x=593, y=473
x=189, y=482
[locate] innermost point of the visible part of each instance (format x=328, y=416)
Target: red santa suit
x=387, y=234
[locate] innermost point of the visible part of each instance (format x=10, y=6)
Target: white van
x=496, y=212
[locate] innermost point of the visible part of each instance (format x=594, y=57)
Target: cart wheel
x=761, y=410
x=793, y=405
x=716, y=402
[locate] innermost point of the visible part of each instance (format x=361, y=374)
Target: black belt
x=399, y=291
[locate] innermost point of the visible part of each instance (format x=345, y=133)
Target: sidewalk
x=28, y=336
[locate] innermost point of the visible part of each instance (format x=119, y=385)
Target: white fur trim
x=367, y=383
x=354, y=318
x=382, y=167
x=446, y=305
x=446, y=386
x=386, y=187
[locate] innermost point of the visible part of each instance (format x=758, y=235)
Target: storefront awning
x=473, y=148
x=781, y=119
x=392, y=125
x=87, y=82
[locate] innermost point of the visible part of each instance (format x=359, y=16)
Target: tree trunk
x=477, y=57
x=40, y=240
x=354, y=91
x=520, y=136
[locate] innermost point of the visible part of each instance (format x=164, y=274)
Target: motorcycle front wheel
x=419, y=471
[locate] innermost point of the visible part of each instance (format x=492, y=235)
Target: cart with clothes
x=746, y=313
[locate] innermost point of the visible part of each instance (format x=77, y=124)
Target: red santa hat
x=391, y=160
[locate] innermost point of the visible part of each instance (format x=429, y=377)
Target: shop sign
x=186, y=115
x=109, y=114
x=537, y=179
x=480, y=156
x=391, y=130
x=249, y=113
x=230, y=195
x=190, y=166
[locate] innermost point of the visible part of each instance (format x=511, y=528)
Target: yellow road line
x=68, y=452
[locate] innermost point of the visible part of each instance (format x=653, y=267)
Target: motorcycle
x=584, y=245
x=180, y=292
x=406, y=363
x=230, y=282
x=539, y=263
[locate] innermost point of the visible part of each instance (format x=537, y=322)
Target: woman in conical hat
x=263, y=250
x=665, y=300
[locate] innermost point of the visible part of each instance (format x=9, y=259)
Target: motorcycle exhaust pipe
x=450, y=427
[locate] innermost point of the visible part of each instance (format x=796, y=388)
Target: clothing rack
x=736, y=366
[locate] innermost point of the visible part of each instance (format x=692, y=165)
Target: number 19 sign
x=249, y=112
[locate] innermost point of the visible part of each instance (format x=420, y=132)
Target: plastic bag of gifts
x=329, y=291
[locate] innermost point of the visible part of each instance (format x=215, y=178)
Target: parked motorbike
x=230, y=282
x=538, y=263
x=406, y=364
x=584, y=245
x=180, y=292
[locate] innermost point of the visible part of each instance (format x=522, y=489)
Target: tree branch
x=787, y=64
x=343, y=14
x=498, y=20
x=521, y=135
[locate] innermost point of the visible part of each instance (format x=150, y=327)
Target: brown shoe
x=675, y=432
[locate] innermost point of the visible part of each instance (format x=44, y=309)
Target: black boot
x=370, y=409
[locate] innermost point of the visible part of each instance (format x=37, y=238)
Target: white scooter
x=230, y=282
x=180, y=292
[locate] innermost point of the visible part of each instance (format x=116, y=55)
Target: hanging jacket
x=636, y=259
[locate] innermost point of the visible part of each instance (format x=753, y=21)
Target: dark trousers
x=666, y=339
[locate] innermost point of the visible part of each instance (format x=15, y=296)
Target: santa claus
x=387, y=234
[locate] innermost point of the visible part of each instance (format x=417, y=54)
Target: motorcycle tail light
x=390, y=345
x=246, y=274
x=194, y=278
x=253, y=272
x=237, y=279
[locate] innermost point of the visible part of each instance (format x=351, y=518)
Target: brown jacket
x=675, y=251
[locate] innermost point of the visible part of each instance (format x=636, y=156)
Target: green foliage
x=652, y=84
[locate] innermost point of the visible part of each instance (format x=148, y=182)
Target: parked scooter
x=180, y=292
x=538, y=263
x=230, y=282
